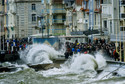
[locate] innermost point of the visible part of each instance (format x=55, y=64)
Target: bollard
x=73, y=50
x=78, y=50
x=11, y=48
x=7, y=45
x=20, y=47
x=14, y=42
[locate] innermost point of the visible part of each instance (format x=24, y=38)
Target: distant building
x=110, y=17
x=1, y=17
x=26, y=17
x=83, y=17
x=119, y=34
x=1, y=24
x=53, y=17
x=122, y=16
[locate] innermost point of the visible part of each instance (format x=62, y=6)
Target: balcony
x=1, y=13
x=82, y=9
x=69, y=1
x=97, y=10
x=79, y=2
x=87, y=11
x=57, y=1
x=74, y=11
x=69, y=5
x=122, y=28
x=122, y=3
x=122, y=15
x=58, y=11
x=46, y=11
x=66, y=1
x=58, y=21
x=106, y=15
x=86, y=0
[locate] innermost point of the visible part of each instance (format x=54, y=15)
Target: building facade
x=1, y=17
x=27, y=12
x=122, y=16
x=110, y=17
x=53, y=17
x=1, y=24
x=85, y=17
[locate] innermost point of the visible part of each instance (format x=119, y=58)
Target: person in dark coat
x=116, y=56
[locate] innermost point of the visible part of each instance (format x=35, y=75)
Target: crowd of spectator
x=14, y=45
x=108, y=49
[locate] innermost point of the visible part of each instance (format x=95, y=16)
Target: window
x=2, y=2
x=95, y=19
x=111, y=26
x=102, y=1
x=105, y=24
x=63, y=18
x=122, y=28
x=33, y=17
x=33, y=7
x=42, y=1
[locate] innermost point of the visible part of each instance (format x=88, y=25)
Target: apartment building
x=83, y=17
x=110, y=17
x=122, y=16
x=27, y=12
x=53, y=17
x=1, y=18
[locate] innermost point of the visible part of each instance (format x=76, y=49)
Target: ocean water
x=79, y=69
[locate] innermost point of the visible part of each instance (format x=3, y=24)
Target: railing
x=97, y=10
x=45, y=11
x=106, y=15
x=66, y=1
x=122, y=28
x=57, y=1
x=122, y=15
x=58, y=21
x=58, y=10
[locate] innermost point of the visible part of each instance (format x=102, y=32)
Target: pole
x=0, y=31
x=41, y=22
x=116, y=40
x=7, y=45
x=100, y=17
x=123, y=41
x=120, y=44
x=3, y=40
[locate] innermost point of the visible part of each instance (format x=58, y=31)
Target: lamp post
x=40, y=24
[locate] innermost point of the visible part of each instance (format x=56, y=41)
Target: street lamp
x=41, y=23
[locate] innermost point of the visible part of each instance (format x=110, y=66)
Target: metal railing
x=58, y=20
x=58, y=10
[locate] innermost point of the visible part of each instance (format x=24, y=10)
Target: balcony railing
x=45, y=11
x=97, y=10
x=122, y=28
x=66, y=1
x=123, y=15
x=87, y=10
x=58, y=21
x=1, y=13
x=79, y=2
x=82, y=9
x=106, y=15
x=57, y=1
x=59, y=10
